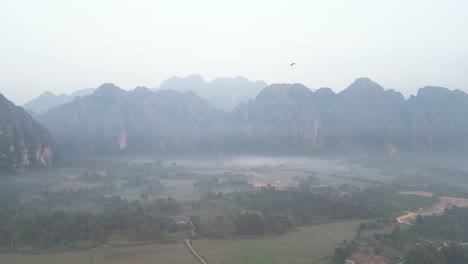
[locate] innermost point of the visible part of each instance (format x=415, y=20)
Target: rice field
x=314, y=244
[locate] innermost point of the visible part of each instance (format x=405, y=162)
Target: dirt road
x=195, y=253
x=436, y=209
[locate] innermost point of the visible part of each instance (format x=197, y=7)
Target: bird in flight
x=292, y=64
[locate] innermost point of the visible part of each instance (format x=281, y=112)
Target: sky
x=63, y=46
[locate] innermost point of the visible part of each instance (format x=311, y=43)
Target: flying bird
x=292, y=64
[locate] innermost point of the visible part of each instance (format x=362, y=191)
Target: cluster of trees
x=93, y=199
x=148, y=187
x=122, y=221
x=305, y=184
x=166, y=206
x=277, y=211
x=211, y=184
x=430, y=184
x=258, y=224
x=342, y=253
x=113, y=220
x=452, y=225
x=454, y=253
x=310, y=208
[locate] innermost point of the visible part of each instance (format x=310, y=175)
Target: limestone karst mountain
x=23, y=141
x=281, y=118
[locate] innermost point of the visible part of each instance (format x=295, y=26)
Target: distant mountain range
x=48, y=100
x=224, y=93
x=23, y=141
x=282, y=118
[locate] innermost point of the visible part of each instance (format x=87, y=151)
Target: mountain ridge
x=48, y=100
x=282, y=117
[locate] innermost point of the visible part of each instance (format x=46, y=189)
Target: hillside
x=23, y=141
x=113, y=120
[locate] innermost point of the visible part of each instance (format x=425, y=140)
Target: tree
x=339, y=256
x=425, y=255
x=144, y=196
x=455, y=254
x=249, y=224
x=362, y=227
x=395, y=234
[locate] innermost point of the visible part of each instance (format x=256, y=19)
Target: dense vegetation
x=310, y=207
x=431, y=239
x=120, y=221
x=429, y=254
x=268, y=210
x=452, y=225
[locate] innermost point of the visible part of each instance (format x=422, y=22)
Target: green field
x=147, y=254
x=306, y=245
x=313, y=244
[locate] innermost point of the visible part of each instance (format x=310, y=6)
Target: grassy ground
x=306, y=245
x=69, y=258
x=147, y=254
x=180, y=189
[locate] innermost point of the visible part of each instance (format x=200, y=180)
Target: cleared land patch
x=418, y=193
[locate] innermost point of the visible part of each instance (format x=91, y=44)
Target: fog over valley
x=234, y=132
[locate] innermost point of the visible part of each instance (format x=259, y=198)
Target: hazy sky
x=63, y=46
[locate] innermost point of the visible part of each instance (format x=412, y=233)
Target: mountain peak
x=141, y=89
x=324, y=91
x=195, y=78
x=108, y=89
x=363, y=86
x=285, y=90
x=47, y=94
x=432, y=91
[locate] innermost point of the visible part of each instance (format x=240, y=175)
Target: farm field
x=418, y=193
x=313, y=244
x=146, y=254
x=180, y=189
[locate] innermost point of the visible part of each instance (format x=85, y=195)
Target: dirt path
x=406, y=218
x=436, y=209
x=195, y=253
x=189, y=244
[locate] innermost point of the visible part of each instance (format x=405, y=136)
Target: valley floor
x=312, y=244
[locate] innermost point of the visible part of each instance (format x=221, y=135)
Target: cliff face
x=364, y=116
x=23, y=141
x=282, y=118
x=113, y=120
x=437, y=118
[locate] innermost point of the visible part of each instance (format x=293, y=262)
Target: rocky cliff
x=113, y=120
x=23, y=141
x=281, y=118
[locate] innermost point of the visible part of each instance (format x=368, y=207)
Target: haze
x=63, y=46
